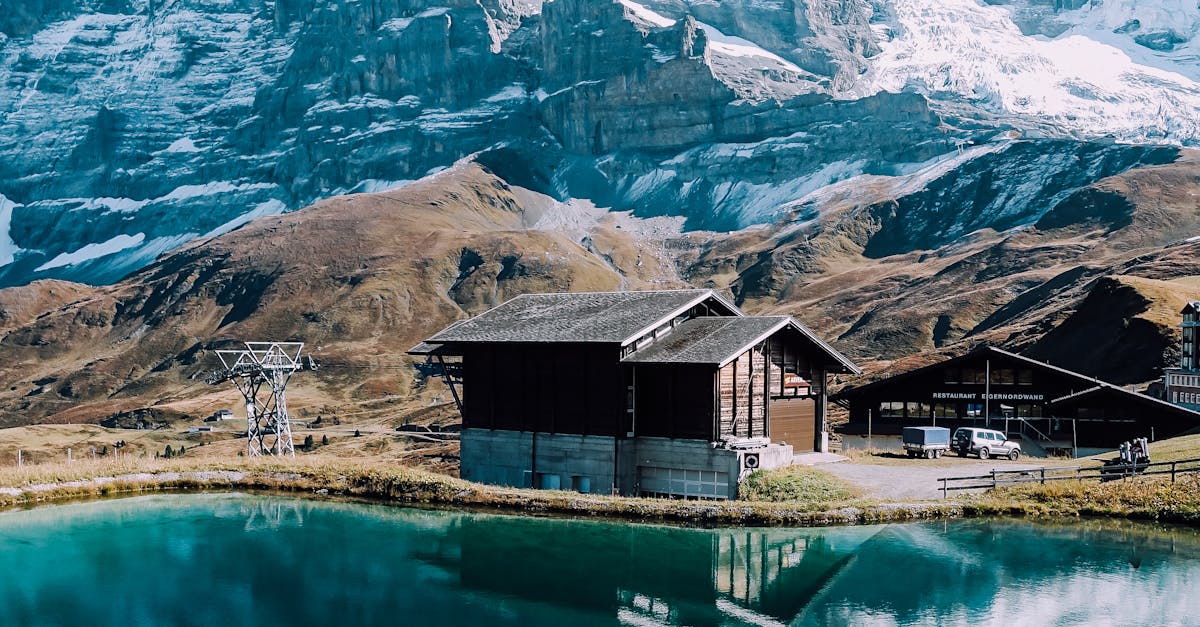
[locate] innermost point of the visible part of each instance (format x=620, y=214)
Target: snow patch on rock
x=270, y=207
x=963, y=50
x=94, y=251
x=8, y=248
x=644, y=14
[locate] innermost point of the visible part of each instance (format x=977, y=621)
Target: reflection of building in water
x=774, y=573
x=270, y=514
x=657, y=575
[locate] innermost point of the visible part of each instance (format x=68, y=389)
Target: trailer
x=927, y=442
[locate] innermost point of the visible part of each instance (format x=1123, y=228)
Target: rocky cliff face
x=128, y=127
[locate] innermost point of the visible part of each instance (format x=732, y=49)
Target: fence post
x=993, y=478
x=1172, y=472
x=20, y=462
x=1043, y=475
x=945, y=490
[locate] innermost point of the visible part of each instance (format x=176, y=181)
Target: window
x=974, y=375
x=974, y=410
x=1029, y=411
x=891, y=409
x=680, y=482
x=944, y=410
x=917, y=411
x=952, y=375
x=1003, y=376
x=1176, y=397
x=1024, y=376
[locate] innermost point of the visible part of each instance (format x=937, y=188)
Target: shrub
x=796, y=484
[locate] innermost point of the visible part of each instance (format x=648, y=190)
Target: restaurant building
x=994, y=388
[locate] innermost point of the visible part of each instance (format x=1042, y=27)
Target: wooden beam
x=733, y=420
x=750, y=396
x=716, y=387
x=450, y=384
x=767, y=389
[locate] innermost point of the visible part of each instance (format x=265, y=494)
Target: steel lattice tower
x=261, y=373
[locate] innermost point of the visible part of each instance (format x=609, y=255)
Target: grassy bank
x=1144, y=498
x=396, y=484
x=796, y=496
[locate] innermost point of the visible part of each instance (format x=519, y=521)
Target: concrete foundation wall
x=583, y=463
x=658, y=466
x=694, y=468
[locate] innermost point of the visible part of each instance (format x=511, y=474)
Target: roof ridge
x=616, y=292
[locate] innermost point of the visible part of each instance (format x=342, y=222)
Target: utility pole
x=261, y=373
x=987, y=393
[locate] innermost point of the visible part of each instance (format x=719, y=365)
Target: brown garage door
x=793, y=420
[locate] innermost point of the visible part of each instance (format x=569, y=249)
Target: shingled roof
x=602, y=317
x=720, y=340
x=709, y=340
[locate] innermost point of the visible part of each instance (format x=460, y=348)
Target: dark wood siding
x=675, y=401
x=793, y=420
x=549, y=388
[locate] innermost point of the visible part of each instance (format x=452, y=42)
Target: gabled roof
x=425, y=348
x=1120, y=391
x=720, y=340
x=709, y=340
x=1192, y=307
x=580, y=317
x=986, y=350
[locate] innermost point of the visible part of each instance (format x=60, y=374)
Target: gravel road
x=906, y=482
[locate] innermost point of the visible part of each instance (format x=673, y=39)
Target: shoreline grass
x=793, y=497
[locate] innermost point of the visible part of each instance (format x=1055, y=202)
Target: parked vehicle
x=985, y=443
x=927, y=442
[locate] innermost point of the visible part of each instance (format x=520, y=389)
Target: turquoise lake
x=229, y=560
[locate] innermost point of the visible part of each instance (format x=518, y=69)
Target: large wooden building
x=659, y=392
x=990, y=387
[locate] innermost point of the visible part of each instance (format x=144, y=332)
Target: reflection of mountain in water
x=984, y=571
x=232, y=560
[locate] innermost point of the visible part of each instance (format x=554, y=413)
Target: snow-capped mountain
x=130, y=127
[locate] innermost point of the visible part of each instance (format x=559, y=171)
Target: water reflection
x=239, y=560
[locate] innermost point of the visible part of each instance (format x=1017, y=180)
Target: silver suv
x=984, y=443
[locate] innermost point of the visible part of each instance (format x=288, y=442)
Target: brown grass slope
x=362, y=278
x=359, y=278
x=1112, y=261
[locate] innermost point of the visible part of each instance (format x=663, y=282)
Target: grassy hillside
x=362, y=278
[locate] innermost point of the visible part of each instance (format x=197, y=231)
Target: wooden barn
x=659, y=392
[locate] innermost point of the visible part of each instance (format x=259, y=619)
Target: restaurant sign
x=994, y=396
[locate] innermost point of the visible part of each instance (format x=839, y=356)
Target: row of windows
x=1000, y=376
x=1187, y=397
x=917, y=411
x=1185, y=380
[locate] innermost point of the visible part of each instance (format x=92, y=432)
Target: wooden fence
x=1078, y=473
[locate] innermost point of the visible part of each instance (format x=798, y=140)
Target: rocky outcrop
x=130, y=128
